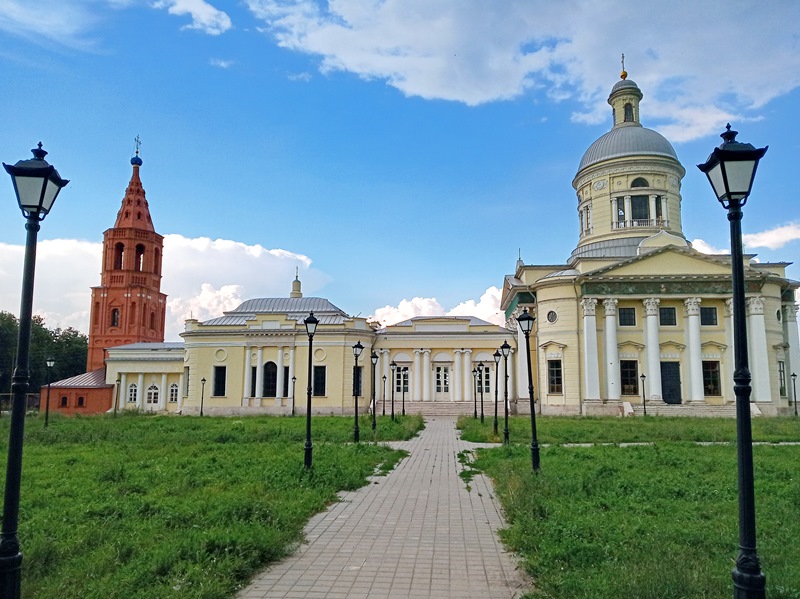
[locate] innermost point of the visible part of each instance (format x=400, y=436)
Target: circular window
x=552, y=316
x=778, y=314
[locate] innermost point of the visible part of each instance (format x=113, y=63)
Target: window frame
x=319, y=376
x=705, y=313
x=712, y=378
x=664, y=321
x=629, y=312
x=555, y=377
x=219, y=386
x=629, y=377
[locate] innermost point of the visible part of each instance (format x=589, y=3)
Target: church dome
x=629, y=140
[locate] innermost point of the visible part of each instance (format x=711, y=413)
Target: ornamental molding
x=755, y=306
x=692, y=305
x=589, y=304
x=651, y=306
x=650, y=166
x=656, y=287
x=790, y=312
x=629, y=356
x=610, y=305
x=665, y=356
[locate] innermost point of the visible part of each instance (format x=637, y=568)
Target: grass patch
x=146, y=506
x=647, y=522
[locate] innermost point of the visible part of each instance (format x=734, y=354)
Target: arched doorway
x=270, y=379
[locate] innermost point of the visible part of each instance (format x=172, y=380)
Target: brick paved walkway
x=416, y=533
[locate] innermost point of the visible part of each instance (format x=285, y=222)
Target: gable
x=667, y=263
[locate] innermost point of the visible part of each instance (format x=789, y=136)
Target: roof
x=473, y=321
x=295, y=308
x=95, y=378
x=150, y=346
x=630, y=139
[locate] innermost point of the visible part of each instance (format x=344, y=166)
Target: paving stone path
x=416, y=533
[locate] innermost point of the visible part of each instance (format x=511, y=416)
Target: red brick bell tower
x=128, y=306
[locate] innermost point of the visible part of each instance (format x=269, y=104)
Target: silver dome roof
x=627, y=140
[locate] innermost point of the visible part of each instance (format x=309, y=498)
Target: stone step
x=696, y=411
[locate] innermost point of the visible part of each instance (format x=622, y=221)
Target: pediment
x=667, y=261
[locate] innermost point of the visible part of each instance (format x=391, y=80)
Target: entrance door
x=270, y=379
x=442, y=384
x=671, y=382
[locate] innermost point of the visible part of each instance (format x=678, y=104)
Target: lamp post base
x=749, y=585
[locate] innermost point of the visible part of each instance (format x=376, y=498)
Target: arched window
x=138, y=265
x=81, y=402
x=133, y=393
x=157, y=262
x=640, y=182
x=628, y=113
x=132, y=318
x=64, y=402
x=173, y=393
x=115, y=317
x=138, y=216
x=96, y=314
x=119, y=256
x=152, y=320
x=270, y=379
x=152, y=394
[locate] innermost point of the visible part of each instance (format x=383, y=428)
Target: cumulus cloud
x=487, y=308
x=222, y=64
x=705, y=247
x=476, y=52
x=774, y=238
x=205, y=17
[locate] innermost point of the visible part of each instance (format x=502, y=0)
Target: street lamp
x=374, y=359
x=480, y=383
x=496, y=357
x=294, y=383
x=393, y=366
x=311, y=327
x=475, y=393
x=202, y=393
x=50, y=363
x=644, y=396
x=384, y=395
x=730, y=169
x=36, y=185
x=357, y=349
x=505, y=349
x=116, y=398
x=525, y=321
x=794, y=391
x=404, y=380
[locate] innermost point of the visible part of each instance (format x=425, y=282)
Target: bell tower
x=128, y=306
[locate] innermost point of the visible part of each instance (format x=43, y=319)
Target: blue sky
x=399, y=152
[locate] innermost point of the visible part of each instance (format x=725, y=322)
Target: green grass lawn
x=157, y=507
x=645, y=522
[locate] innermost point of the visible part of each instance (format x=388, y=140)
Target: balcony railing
x=659, y=223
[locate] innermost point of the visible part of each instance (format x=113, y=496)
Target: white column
x=612, y=350
x=628, y=211
x=248, y=375
x=759, y=352
x=162, y=396
x=653, y=200
x=591, y=372
x=458, y=383
x=280, y=392
x=123, y=391
x=521, y=364
x=426, y=375
x=467, y=380
x=695, y=351
x=614, y=213
x=653, y=348
x=513, y=392
x=140, y=391
x=181, y=387
x=416, y=371
x=730, y=364
x=790, y=318
x=293, y=389
x=386, y=390
x=259, y=375
x=664, y=210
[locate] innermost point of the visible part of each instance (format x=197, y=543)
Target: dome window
x=640, y=182
x=628, y=112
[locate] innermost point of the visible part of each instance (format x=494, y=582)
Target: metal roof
x=282, y=305
x=150, y=346
x=630, y=139
x=95, y=378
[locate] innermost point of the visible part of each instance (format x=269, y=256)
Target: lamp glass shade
x=505, y=349
x=525, y=321
x=36, y=184
x=50, y=362
x=374, y=358
x=357, y=349
x=731, y=168
x=311, y=324
x=393, y=366
x=496, y=356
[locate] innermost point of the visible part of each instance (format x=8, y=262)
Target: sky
x=402, y=154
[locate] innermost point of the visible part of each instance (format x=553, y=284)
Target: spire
x=624, y=74
x=135, y=212
x=296, y=292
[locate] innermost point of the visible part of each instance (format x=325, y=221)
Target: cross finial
x=296, y=272
x=137, y=144
x=623, y=74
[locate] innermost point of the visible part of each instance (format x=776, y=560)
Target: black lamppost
x=294, y=383
x=374, y=359
x=311, y=327
x=496, y=357
x=202, y=393
x=525, y=321
x=36, y=184
x=50, y=363
x=794, y=391
x=730, y=169
x=404, y=379
x=384, y=395
x=505, y=349
x=480, y=382
x=357, y=349
x=116, y=397
x=475, y=393
x=644, y=396
x=393, y=366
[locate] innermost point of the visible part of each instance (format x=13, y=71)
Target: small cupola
x=296, y=290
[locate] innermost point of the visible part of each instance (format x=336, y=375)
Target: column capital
x=425, y=351
x=467, y=351
x=610, y=305
x=728, y=307
x=651, y=306
x=417, y=351
x=692, y=305
x=755, y=306
x=790, y=312
x=589, y=304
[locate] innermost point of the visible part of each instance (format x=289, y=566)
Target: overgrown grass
x=587, y=429
x=645, y=522
x=145, y=506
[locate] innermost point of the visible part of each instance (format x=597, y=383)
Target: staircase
x=696, y=411
x=440, y=408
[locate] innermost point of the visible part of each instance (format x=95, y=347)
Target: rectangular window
x=627, y=317
x=640, y=210
x=554, y=377
x=629, y=377
x=487, y=387
x=220, y=372
x=620, y=211
x=667, y=317
x=173, y=393
x=357, y=382
x=186, y=379
x=708, y=316
x=133, y=393
x=782, y=378
x=64, y=402
x=711, y=378
x=401, y=380
x=286, y=388
x=81, y=402
x=319, y=381
x=442, y=379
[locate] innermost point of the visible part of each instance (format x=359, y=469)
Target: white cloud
x=222, y=64
x=63, y=22
x=205, y=17
x=487, y=308
x=706, y=248
x=773, y=238
x=475, y=52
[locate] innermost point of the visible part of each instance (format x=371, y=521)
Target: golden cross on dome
x=623, y=74
x=137, y=143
